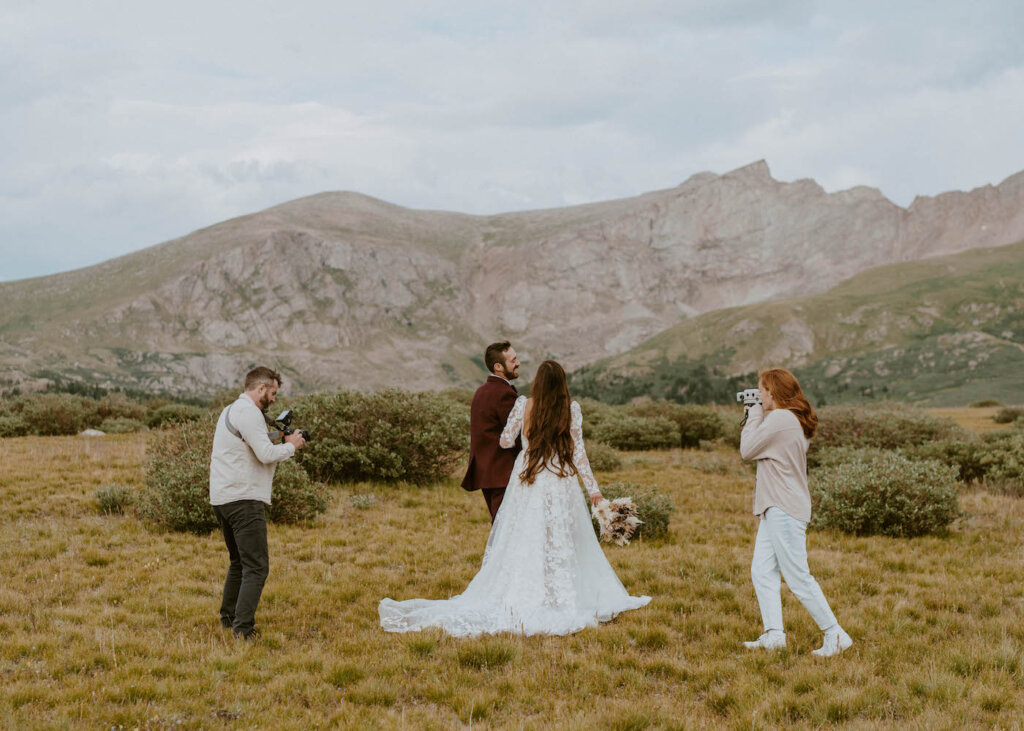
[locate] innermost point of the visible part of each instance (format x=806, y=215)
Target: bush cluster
x=966, y=455
x=1001, y=457
x=1008, y=414
x=174, y=414
x=176, y=495
x=652, y=507
x=883, y=427
x=984, y=403
x=296, y=498
x=655, y=425
x=603, y=458
x=390, y=436
x=121, y=425
x=885, y=494
x=996, y=460
x=637, y=432
x=56, y=414
x=696, y=424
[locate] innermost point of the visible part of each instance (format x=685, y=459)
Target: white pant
x=782, y=544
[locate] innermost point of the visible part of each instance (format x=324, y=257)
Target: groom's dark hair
x=493, y=354
x=262, y=374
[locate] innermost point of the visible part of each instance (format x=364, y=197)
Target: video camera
x=283, y=422
x=749, y=397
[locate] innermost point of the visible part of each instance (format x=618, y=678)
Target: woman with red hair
x=777, y=433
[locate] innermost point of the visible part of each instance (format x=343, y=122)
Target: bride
x=543, y=570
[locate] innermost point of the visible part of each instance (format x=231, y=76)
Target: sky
x=126, y=124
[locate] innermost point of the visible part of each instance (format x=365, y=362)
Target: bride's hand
x=596, y=498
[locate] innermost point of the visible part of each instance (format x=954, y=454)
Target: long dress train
x=543, y=571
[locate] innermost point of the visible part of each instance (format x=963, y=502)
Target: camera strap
x=229, y=425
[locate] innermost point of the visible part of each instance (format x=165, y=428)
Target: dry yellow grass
x=978, y=420
x=105, y=623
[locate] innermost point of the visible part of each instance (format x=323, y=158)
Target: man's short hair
x=493, y=354
x=260, y=375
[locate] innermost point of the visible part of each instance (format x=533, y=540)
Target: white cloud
x=130, y=123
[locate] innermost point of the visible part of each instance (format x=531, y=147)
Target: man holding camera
x=241, y=475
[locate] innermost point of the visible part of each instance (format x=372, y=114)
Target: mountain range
x=943, y=331
x=344, y=290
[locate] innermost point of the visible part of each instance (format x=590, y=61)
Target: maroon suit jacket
x=489, y=464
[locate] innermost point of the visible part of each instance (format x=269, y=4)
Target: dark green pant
x=244, y=524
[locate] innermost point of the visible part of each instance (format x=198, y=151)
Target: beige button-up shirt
x=778, y=444
x=243, y=469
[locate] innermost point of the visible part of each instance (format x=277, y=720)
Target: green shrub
x=119, y=406
x=390, y=436
x=1002, y=459
x=296, y=498
x=603, y=458
x=176, y=495
x=888, y=495
x=462, y=396
x=834, y=456
x=54, y=414
x=596, y=413
x=13, y=426
x=1008, y=414
x=652, y=507
x=732, y=430
x=884, y=427
x=637, y=433
x=984, y=403
x=964, y=454
x=695, y=423
x=121, y=425
x=175, y=414
x=114, y=499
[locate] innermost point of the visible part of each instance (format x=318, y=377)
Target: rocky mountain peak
x=368, y=284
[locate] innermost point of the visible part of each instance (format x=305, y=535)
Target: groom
x=490, y=466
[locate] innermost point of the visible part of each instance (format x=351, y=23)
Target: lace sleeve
x=514, y=425
x=579, y=452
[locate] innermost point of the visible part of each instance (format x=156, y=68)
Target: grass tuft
x=486, y=653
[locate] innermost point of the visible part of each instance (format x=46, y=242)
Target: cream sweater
x=778, y=444
x=243, y=469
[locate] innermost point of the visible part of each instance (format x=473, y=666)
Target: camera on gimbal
x=283, y=422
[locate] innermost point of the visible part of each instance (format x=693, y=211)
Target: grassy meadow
x=107, y=623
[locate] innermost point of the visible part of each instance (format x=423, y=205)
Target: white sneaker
x=835, y=642
x=772, y=640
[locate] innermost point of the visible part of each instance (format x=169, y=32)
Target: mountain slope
x=343, y=289
x=942, y=331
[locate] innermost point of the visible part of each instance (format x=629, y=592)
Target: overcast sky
x=125, y=124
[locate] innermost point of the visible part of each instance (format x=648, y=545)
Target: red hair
x=786, y=394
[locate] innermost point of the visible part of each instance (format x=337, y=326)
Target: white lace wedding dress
x=543, y=570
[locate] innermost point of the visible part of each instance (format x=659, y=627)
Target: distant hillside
x=945, y=331
x=340, y=289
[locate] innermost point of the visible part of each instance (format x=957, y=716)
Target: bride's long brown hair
x=547, y=426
